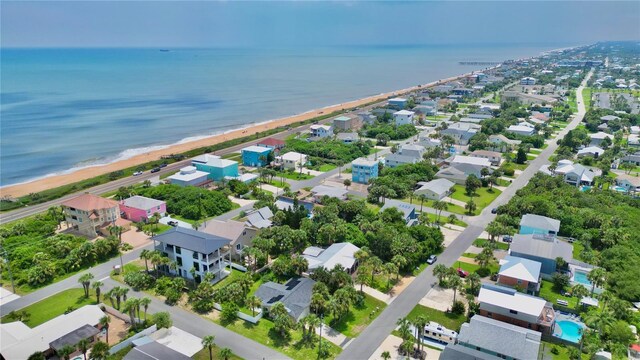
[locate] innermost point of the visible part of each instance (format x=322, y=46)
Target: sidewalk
x=333, y=335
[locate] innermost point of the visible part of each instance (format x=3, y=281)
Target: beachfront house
x=398, y=103
x=217, y=167
x=461, y=132
x=291, y=160
x=275, y=144
x=195, y=253
x=488, y=339
x=436, y=189
x=342, y=254
x=362, y=170
x=257, y=156
x=91, y=215
x=238, y=233
x=541, y=248
x=20, y=341
x=140, y=209
x=513, y=307
x=403, y=117
x=520, y=273
x=407, y=210
x=494, y=157
x=295, y=295
x=189, y=176
x=348, y=137
x=537, y=224
x=321, y=131
x=345, y=123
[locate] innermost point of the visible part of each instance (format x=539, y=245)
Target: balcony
x=548, y=316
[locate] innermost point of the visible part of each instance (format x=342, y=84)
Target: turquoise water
x=585, y=188
x=70, y=108
x=619, y=189
x=581, y=277
x=570, y=330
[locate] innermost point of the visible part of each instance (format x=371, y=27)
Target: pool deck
x=562, y=316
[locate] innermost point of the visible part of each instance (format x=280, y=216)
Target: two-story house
x=139, y=208
x=292, y=160
x=256, y=155
x=362, y=170
x=90, y=214
x=520, y=273
x=493, y=156
x=238, y=233
x=403, y=117
x=195, y=253
x=217, y=167
x=321, y=131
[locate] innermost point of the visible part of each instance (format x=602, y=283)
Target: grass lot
x=535, y=151
x=456, y=209
x=443, y=219
x=547, y=292
x=531, y=156
x=499, y=245
x=56, y=305
x=482, y=198
x=263, y=333
x=120, y=354
x=277, y=183
x=235, y=275
x=233, y=156
x=586, y=98
x=358, y=318
x=577, y=249
x=293, y=175
x=493, y=267
x=158, y=228
x=450, y=321
x=215, y=350
x=563, y=352
x=326, y=167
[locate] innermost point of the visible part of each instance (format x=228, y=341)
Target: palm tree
x=85, y=280
x=104, y=323
x=597, y=277
x=470, y=206
x=66, y=352
x=145, y=302
x=419, y=323
x=226, y=353
x=208, y=342
x=440, y=271
x=580, y=292
x=440, y=206
x=422, y=197
x=99, y=351
x=83, y=346
x=473, y=282
x=146, y=255
x=375, y=265
x=403, y=328
x=455, y=283
x=96, y=286
x=389, y=270
x=253, y=302
x=130, y=307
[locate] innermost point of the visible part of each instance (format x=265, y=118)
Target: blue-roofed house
x=408, y=210
x=537, y=224
x=217, y=167
x=362, y=170
x=192, y=249
x=252, y=155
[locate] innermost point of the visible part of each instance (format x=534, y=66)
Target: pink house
x=140, y=208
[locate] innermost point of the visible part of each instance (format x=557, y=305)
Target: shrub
x=555, y=351
x=229, y=312
x=509, y=171
x=483, y=272
x=458, y=308
x=138, y=281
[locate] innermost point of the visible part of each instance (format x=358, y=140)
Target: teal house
x=216, y=167
x=255, y=155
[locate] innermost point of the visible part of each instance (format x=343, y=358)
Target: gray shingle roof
x=192, y=240
x=295, y=295
x=403, y=207
x=260, y=218
x=154, y=351
x=540, y=246
x=502, y=338
x=72, y=338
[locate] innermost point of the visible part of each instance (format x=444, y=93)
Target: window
x=205, y=268
x=519, y=281
x=195, y=255
x=489, y=314
x=513, y=312
x=178, y=250
x=179, y=260
x=238, y=247
x=196, y=266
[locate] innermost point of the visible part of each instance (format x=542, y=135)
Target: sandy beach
x=89, y=172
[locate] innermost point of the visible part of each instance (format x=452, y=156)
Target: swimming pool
x=585, y=188
x=581, y=277
x=619, y=189
x=568, y=330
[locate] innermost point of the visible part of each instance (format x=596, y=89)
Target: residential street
x=369, y=340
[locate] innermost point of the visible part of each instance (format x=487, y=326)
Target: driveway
x=165, y=220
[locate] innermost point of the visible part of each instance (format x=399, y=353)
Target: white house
x=461, y=132
x=494, y=157
x=191, y=249
x=321, y=131
x=460, y=167
x=576, y=174
x=436, y=189
x=598, y=138
x=337, y=254
x=403, y=117
x=527, y=81
x=321, y=191
x=521, y=130
x=292, y=160
x=592, y=151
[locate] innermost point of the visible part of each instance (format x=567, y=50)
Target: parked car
x=172, y=223
x=137, y=173
x=155, y=169
x=432, y=259
x=462, y=273
x=507, y=238
x=494, y=210
x=163, y=165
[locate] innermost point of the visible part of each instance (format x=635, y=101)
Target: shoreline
x=70, y=176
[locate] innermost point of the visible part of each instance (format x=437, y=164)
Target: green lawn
x=498, y=244
x=326, y=167
x=456, y=209
x=547, y=292
x=133, y=266
x=233, y=156
x=55, y=305
x=358, y=318
x=263, y=332
x=293, y=175
x=563, y=353
x=493, y=267
x=531, y=156
x=483, y=197
x=535, y=151
x=235, y=275
x=443, y=220
x=448, y=320
x=158, y=228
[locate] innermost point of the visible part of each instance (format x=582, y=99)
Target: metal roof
x=192, y=240
x=141, y=202
x=540, y=222
x=540, y=246
x=519, y=268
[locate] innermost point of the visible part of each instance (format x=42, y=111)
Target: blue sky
x=284, y=24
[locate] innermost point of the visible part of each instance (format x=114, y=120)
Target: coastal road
x=370, y=339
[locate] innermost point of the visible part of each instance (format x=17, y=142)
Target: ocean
x=62, y=109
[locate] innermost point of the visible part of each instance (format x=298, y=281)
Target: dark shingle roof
x=154, y=351
x=192, y=240
x=295, y=295
x=72, y=338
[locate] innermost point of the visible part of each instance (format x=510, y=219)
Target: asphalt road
x=370, y=339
